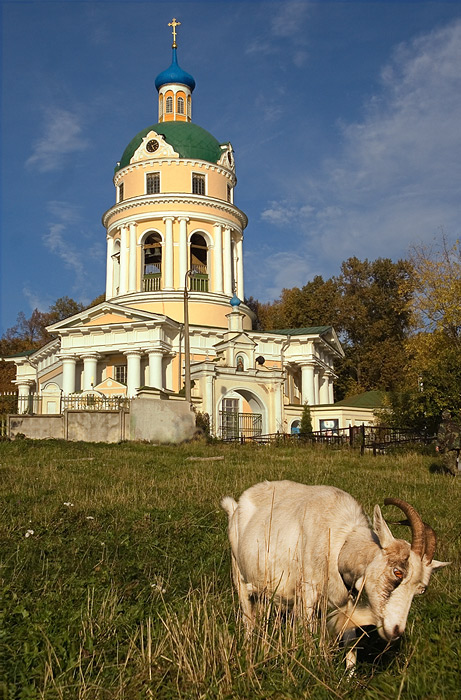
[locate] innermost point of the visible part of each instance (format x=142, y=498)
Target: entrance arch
x=241, y=412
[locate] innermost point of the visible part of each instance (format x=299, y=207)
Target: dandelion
x=89, y=517
x=68, y=503
x=29, y=533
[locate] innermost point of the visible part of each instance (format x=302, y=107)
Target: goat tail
x=229, y=505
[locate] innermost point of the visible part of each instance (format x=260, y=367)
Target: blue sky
x=345, y=118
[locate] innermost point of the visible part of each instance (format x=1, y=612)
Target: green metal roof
x=312, y=330
x=187, y=139
x=369, y=399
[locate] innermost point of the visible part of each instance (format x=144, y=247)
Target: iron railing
x=234, y=425
x=152, y=283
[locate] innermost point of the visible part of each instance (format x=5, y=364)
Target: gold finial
x=174, y=24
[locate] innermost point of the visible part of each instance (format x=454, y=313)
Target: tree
x=305, y=427
x=434, y=349
x=374, y=320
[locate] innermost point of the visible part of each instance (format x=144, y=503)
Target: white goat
x=297, y=543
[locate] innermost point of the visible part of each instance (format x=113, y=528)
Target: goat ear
x=439, y=564
x=359, y=584
x=381, y=528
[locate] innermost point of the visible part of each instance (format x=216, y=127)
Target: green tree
x=305, y=427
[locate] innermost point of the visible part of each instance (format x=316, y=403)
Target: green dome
x=187, y=139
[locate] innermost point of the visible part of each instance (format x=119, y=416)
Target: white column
x=218, y=288
x=155, y=369
x=132, y=259
x=90, y=367
x=209, y=402
x=278, y=398
x=240, y=289
x=227, y=262
x=307, y=384
x=331, y=395
x=316, y=387
x=24, y=386
x=109, y=268
x=183, y=266
x=324, y=382
x=133, y=371
x=168, y=264
x=123, y=258
x=68, y=374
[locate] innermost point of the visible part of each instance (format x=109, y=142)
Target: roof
x=187, y=139
x=369, y=399
x=311, y=330
x=174, y=75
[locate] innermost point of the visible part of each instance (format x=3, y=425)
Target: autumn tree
x=434, y=349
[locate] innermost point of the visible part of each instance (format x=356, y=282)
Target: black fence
x=364, y=437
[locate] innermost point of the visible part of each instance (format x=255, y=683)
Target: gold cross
x=174, y=24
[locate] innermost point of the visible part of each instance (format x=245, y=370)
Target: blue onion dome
x=235, y=301
x=174, y=74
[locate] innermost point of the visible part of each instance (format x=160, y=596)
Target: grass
x=115, y=577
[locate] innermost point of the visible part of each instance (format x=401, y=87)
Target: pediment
x=241, y=340
x=105, y=314
x=111, y=385
x=153, y=146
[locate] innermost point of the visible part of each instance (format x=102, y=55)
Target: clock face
x=152, y=146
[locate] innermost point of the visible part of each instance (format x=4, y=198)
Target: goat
x=297, y=543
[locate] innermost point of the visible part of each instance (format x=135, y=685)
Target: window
x=120, y=192
x=188, y=107
x=169, y=105
x=161, y=107
x=198, y=183
x=153, y=183
x=229, y=194
x=180, y=105
x=120, y=374
x=152, y=271
x=198, y=263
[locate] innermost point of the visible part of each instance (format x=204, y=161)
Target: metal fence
x=33, y=404
x=235, y=426
x=364, y=437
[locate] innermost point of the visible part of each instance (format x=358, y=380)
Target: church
x=174, y=319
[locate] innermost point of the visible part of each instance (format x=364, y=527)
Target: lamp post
x=187, y=383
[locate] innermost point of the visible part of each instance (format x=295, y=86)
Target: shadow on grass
x=438, y=468
x=372, y=650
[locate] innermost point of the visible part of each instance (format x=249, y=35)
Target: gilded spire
x=174, y=23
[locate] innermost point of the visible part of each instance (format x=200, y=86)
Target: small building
x=175, y=280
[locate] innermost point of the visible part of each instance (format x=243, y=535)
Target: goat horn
x=418, y=530
x=431, y=541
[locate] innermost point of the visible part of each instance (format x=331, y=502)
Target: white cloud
x=62, y=136
x=397, y=176
x=63, y=242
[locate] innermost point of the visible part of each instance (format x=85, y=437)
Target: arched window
x=198, y=263
x=152, y=265
x=188, y=107
x=160, y=111
x=180, y=105
x=169, y=105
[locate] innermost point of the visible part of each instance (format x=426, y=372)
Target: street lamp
x=187, y=383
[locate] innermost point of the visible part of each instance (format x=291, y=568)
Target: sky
x=345, y=119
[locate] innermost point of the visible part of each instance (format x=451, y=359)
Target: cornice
x=173, y=199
